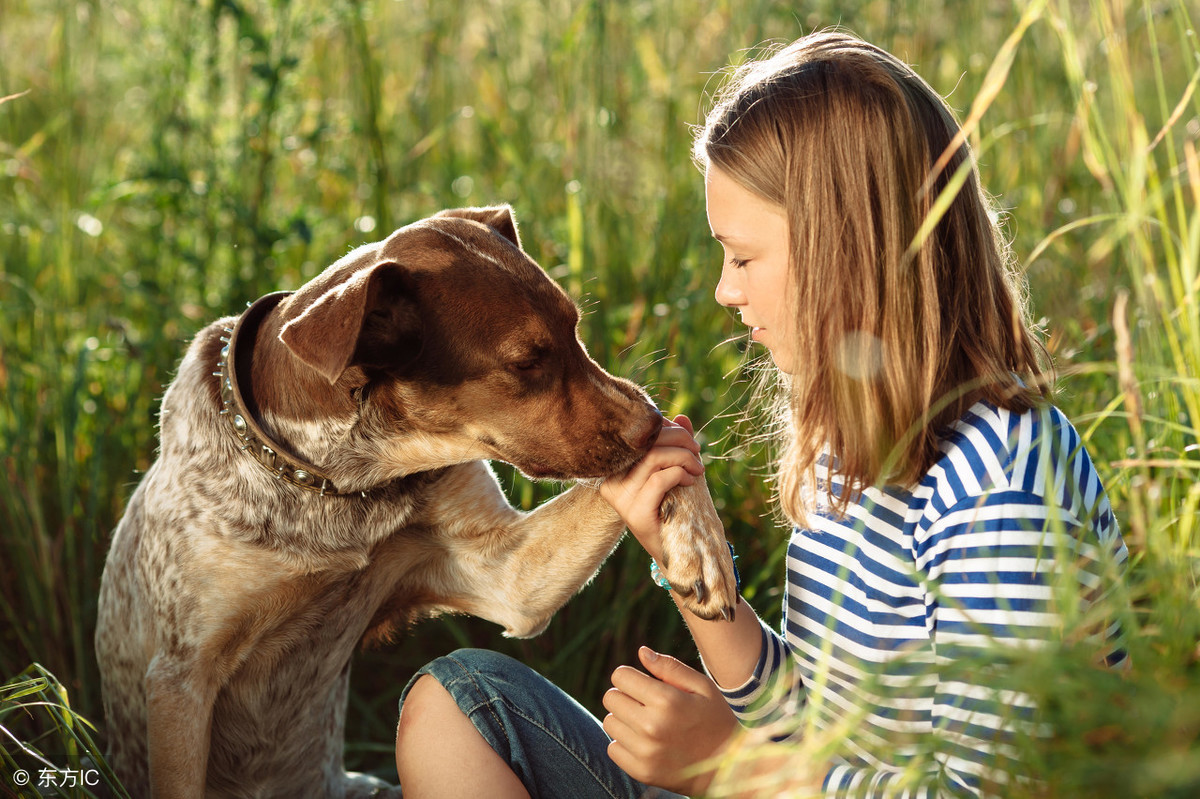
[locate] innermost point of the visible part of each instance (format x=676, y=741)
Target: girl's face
x=756, y=273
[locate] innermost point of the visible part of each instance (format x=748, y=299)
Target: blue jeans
x=555, y=746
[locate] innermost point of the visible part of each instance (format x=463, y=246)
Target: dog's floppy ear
x=368, y=320
x=498, y=217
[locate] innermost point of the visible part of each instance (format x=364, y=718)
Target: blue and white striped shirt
x=882, y=603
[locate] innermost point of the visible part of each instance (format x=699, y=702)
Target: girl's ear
x=498, y=217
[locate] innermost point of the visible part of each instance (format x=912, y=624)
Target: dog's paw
x=695, y=557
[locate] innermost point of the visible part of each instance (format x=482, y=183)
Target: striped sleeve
x=774, y=692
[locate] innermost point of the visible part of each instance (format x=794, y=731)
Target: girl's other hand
x=665, y=723
x=674, y=460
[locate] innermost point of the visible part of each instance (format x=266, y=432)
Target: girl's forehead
x=734, y=212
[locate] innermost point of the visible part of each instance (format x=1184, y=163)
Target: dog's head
x=457, y=346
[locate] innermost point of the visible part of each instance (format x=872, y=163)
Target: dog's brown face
x=456, y=340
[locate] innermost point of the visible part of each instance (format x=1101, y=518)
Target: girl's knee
x=439, y=752
x=425, y=717
x=426, y=705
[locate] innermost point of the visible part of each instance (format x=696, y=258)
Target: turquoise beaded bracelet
x=657, y=576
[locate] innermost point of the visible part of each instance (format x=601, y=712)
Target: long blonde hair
x=896, y=336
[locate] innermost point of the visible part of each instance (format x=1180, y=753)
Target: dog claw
x=727, y=613
x=701, y=591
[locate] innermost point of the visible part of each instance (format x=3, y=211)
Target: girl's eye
x=738, y=263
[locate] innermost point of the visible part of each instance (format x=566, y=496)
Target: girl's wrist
x=657, y=576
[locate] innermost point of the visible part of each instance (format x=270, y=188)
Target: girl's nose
x=729, y=293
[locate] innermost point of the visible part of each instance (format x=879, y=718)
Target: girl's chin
x=782, y=360
x=782, y=364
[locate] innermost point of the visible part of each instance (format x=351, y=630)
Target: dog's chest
x=261, y=587
x=292, y=642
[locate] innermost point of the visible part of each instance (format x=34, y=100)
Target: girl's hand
x=636, y=495
x=665, y=723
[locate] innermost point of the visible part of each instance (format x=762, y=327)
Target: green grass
x=47, y=743
x=167, y=162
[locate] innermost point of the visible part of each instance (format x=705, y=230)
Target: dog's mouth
x=582, y=450
x=604, y=459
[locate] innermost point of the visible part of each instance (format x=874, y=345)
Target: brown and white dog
x=322, y=480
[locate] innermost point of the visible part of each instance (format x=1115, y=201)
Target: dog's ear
x=498, y=217
x=369, y=320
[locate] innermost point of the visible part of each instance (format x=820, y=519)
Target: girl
x=939, y=501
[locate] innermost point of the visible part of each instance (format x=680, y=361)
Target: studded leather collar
x=235, y=364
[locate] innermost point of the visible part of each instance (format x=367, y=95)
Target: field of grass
x=162, y=163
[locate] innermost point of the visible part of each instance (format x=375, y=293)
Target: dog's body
x=233, y=597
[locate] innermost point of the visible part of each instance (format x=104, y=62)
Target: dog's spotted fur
x=232, y=602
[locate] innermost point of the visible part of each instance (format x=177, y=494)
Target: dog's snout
x=644, y=437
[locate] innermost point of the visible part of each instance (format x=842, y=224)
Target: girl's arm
x=730, y=650
x=670, y=725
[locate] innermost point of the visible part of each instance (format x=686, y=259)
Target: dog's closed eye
x=527, y=365
x=526, y=359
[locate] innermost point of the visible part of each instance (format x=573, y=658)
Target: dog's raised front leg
x=517, y=569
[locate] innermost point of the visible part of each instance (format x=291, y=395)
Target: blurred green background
x=163, y=163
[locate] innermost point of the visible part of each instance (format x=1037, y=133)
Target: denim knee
x=551, y=742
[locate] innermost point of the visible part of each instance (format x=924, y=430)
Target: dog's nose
x=644, y=439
